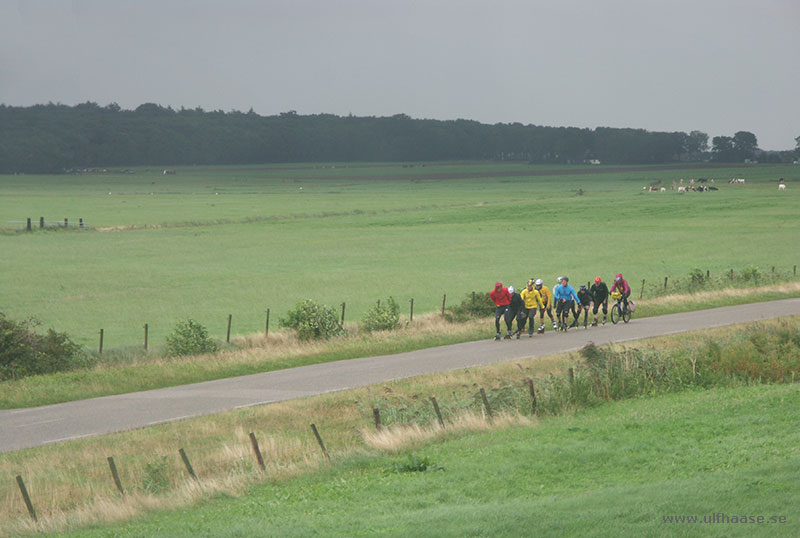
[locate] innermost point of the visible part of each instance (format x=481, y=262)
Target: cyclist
x=621, y=286
x=514, y=310
x=600, y=293
x=547, y=302
x=566, y=298
x=532, y=298
x=586, y=302
x=501, y=299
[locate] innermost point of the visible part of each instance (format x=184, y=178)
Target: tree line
x=56, y=138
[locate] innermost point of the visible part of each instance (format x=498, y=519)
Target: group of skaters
x=535, y=297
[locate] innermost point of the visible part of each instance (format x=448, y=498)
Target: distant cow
x=736, y=180
x=782, y=187
x=681, y=189
x=663, y=189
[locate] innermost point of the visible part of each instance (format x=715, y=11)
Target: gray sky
x=719, y=66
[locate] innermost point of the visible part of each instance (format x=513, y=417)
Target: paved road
x=25, y=428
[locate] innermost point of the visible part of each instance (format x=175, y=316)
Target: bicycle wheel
x=615, y=314
x=626, y=316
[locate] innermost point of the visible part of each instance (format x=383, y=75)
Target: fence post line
x=66, y=222
x=146, y=328
x=228, y=337
x=41, y=222
x=534, y=408
x=473, y=298
x=731, y=274
x=444, y=299
x=376, y=414
x=28, y=227
x=257, y=451
x=641, y=293
x=438, y=412
x=795, y=270
x=26, y=497
x=80, y=223
x=319, y=440
x=266, y=325
x=486, y=405
x=708, y=274
x=101, y=342
x=188, y=465
x=411, y=318
x=665, y=282
x=342, y=313
x=115, y=474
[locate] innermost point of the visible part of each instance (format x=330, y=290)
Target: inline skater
x=532, y=298
x=566, y=298
x=586, y=301
x=547, y=302
x=600, y=293
x=514, y=311
x=501, y=299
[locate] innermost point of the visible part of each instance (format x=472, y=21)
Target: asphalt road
x=25, y=428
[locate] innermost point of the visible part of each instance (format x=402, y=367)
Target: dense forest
x=57, y=138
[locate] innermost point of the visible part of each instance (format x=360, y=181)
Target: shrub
x=23, y=352
x=475, y=305
x=382, y=317
x=190, y=338
x=414, y=464
x=751, y=272
x=156, y=476
x=697, y=276
x=313, y=321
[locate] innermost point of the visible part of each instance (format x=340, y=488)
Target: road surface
x=25, y=428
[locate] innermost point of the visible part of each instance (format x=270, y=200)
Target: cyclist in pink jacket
x=621, y=285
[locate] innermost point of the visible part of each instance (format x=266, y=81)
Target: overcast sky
x=718, y=66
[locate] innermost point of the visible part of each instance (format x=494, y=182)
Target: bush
x=190, y=338
x=382, y=317
x=751, y=272
x=475, y=305
x=313, y=321
x=697, y=276
x=23, y=352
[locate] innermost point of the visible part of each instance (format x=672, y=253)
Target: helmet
x=583, y=288
x=511, y=289
x=565, y=278
x=597, y=280
x=538, y=282
x=559, y=279
x=618, y=277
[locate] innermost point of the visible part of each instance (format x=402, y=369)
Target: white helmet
x=511, y=289
x=538, y=282
x=559, y=279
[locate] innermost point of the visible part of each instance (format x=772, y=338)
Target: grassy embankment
x=583, y=466
x=214, y=241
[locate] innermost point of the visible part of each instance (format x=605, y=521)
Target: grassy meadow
x=212, y=241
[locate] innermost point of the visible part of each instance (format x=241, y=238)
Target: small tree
x=313, y=321
x=190, y=338
x=382, y=317
x=23, y=352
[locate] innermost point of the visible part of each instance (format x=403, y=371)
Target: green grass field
x=618, y=470
x=213, y=241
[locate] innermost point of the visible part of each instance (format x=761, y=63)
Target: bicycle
x=618, y=310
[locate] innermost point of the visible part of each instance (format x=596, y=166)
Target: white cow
x=782, y=187
x=681, y=189
x=663, y=189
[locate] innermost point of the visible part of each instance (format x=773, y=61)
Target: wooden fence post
x=444, y=298
x=28, y=227
x=534, y=408
x=257, y=451
x=266, y=325
x=411, y=318
x=571, y=373
x=41, y=222
x=228, y=338
x=319, y=440
x=66, y=222
x=26, y=497
x=438, y=412
x=641, y=292
x=188, y=465
x=665, y=282
x=146, y=328
x=342, y=313
x=731, y=274
x=486, y=405
x=376, y=414
x=115, y=475
x=101, y=341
